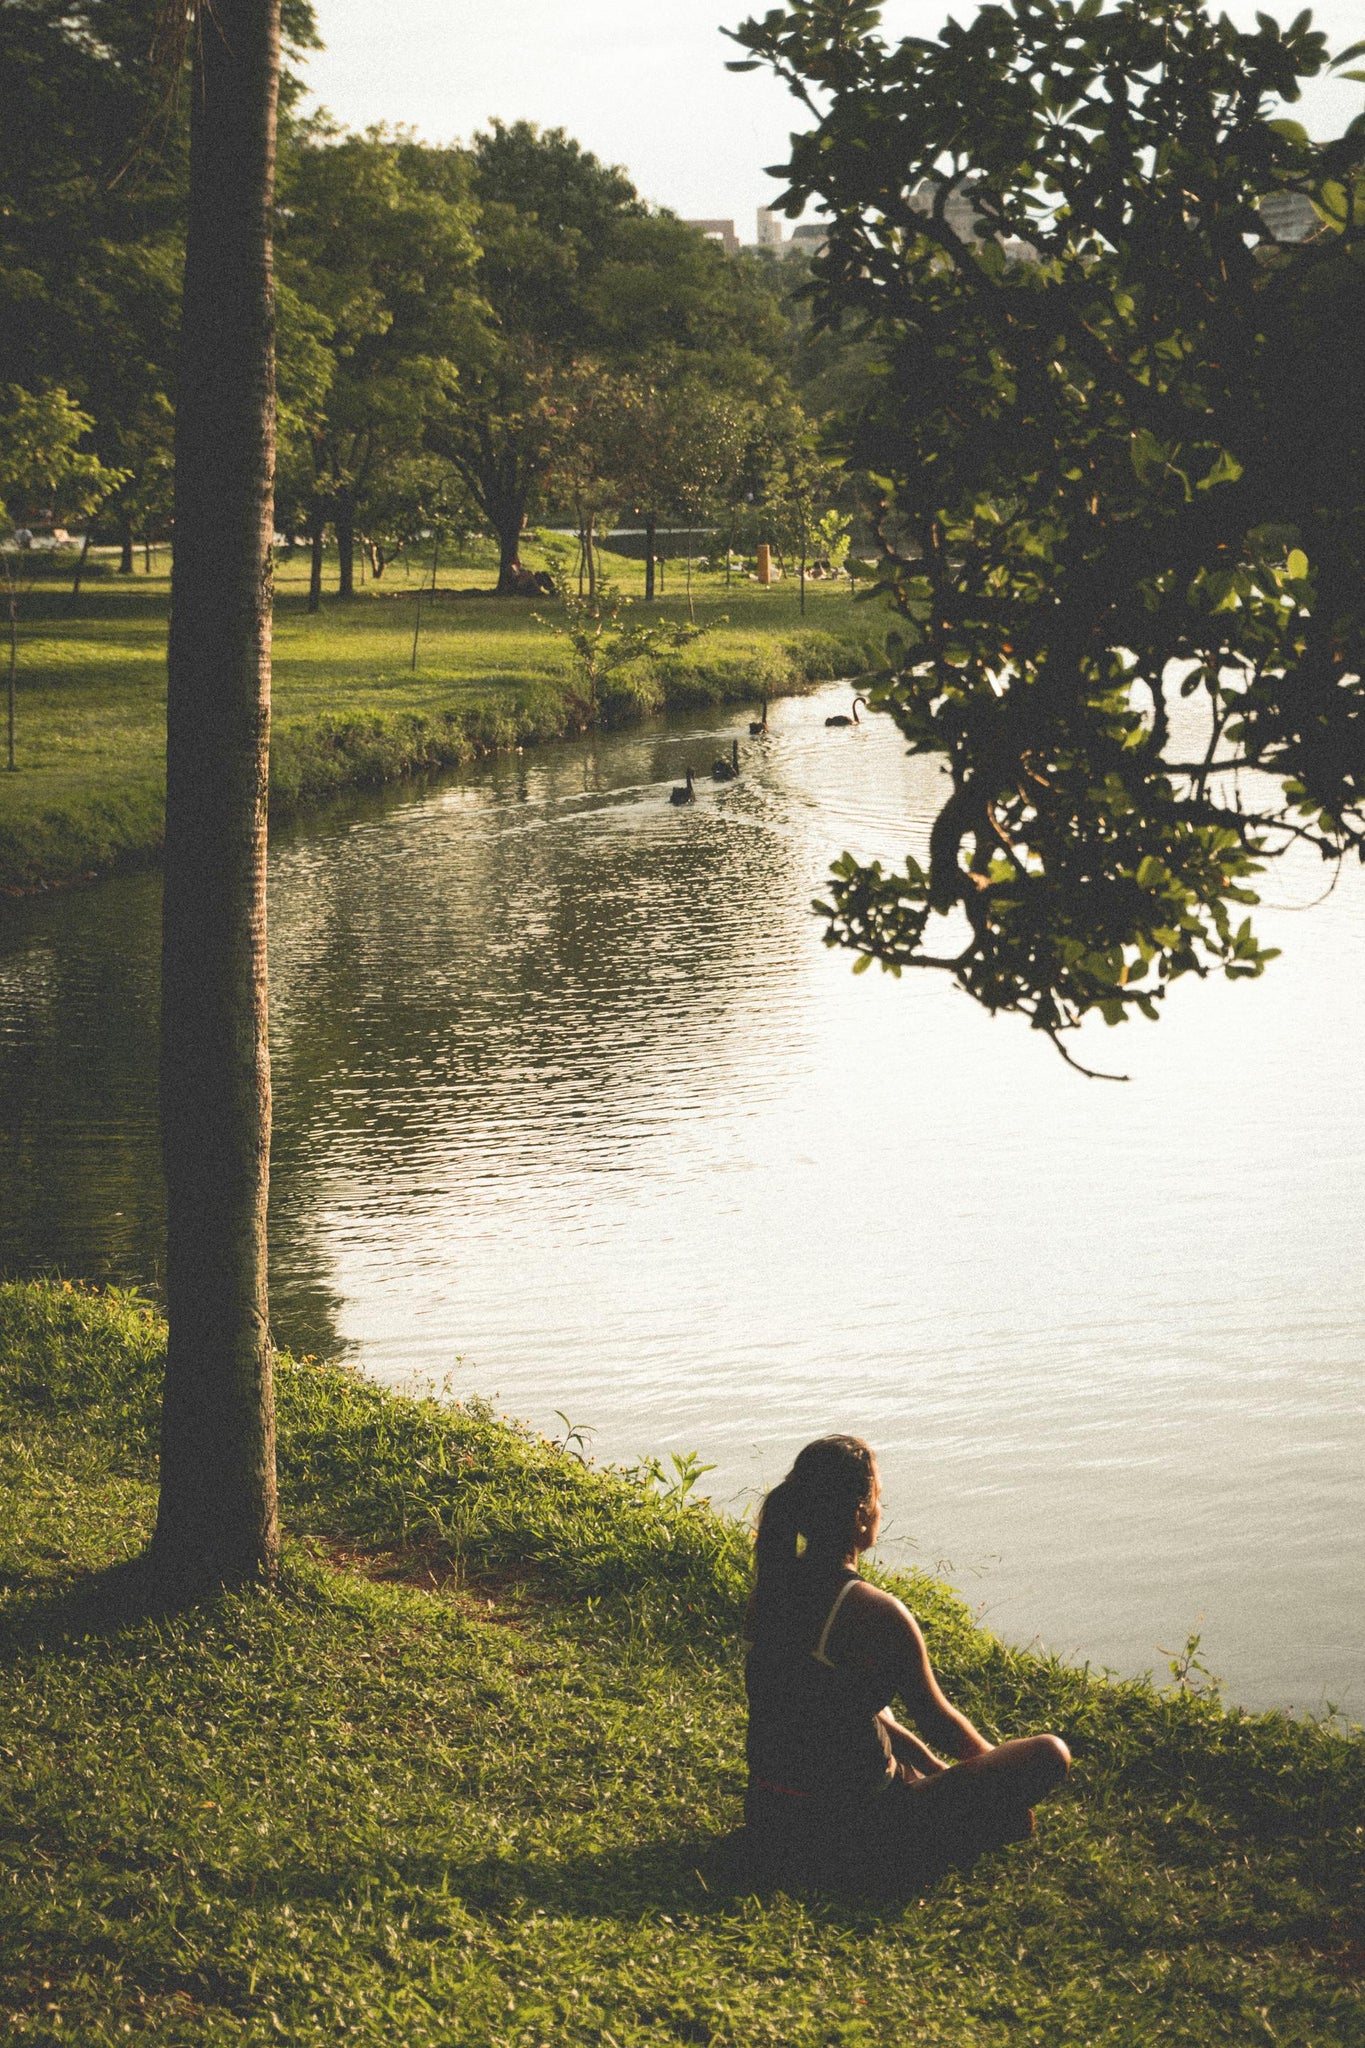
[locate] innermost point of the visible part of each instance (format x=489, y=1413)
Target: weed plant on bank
x=461, y=1780
x=350, y=709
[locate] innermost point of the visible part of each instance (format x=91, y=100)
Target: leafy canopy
x=1115, y=443
x=376, y=255
x=43, y=467
x=592, y=302
x=93, y=170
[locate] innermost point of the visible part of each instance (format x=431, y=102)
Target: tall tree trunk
x=343, y=518
x=80, y=568
x=217, y=1520
x=125, y=560
x=509, y=548
x=12, y=609
x=315, y=528
x=651, y=537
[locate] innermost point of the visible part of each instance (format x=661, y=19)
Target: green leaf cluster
x=1115, y=446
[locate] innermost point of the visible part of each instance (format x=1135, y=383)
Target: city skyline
x=646, y=89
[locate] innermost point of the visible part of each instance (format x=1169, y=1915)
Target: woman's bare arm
x=875, y=1632
x=907, y=1748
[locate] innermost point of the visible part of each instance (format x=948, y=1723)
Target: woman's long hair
x=809, y=1522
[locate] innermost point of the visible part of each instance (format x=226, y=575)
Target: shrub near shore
x=460, y=1780
x=349, y=710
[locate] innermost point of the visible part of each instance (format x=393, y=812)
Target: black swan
x=842, y=718
x=726, y=771
x=684, y=795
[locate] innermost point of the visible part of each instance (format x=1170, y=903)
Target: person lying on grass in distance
x=838, y=1791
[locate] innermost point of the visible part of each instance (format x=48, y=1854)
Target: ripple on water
x=573, y=1106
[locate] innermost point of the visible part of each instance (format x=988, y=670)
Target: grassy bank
x=460, y=1781
x=350, y=710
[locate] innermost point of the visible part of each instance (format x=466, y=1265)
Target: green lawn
x=348, y=706
x=460, y=1781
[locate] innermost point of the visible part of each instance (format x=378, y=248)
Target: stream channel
x=574, y=1111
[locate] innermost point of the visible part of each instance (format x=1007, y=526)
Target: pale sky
x=640, y=82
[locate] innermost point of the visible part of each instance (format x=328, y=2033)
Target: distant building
x=722, y=231
x=961, y=216
x=1289, y=216
x=807, y=240
x=958, y=212
x=770, y=235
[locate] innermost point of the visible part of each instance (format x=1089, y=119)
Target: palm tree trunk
x=217, y=1520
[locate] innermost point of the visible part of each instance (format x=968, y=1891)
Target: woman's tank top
x=814, y=1732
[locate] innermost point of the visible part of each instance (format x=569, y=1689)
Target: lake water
x=575, y=1111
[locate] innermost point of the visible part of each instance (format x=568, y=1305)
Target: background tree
x=798, y=485
x=412, y=500
x=43, y=470
x=575, y=269
x=91, y=230
x=679, y=435
x=1118, y=485
x=305, y=367
x=710, y=455
x=588, y=471
x=649, y=456
x=377, y=241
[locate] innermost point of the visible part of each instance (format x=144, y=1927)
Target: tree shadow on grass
x=698, y=1876
x=48, y=1611
x=704, y=1874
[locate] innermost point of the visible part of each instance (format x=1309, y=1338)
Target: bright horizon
x=642, y=87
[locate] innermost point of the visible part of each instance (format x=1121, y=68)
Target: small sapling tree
x=831, y=539
x=608, y=635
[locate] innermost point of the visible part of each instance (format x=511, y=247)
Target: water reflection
x=572, y=1106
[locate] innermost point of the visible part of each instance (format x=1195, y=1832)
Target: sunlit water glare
x=575, y=1111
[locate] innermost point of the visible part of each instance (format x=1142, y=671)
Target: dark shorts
x=897, y=1839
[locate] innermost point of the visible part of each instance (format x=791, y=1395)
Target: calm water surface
x=574, y=1110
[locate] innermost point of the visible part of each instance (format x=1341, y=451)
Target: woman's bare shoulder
x=870, y=1600
x=878, y=1619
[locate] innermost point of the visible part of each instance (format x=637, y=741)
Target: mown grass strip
x=356, y=1811
x=349, y=711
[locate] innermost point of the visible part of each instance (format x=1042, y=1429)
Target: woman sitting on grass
x=838, y=1790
